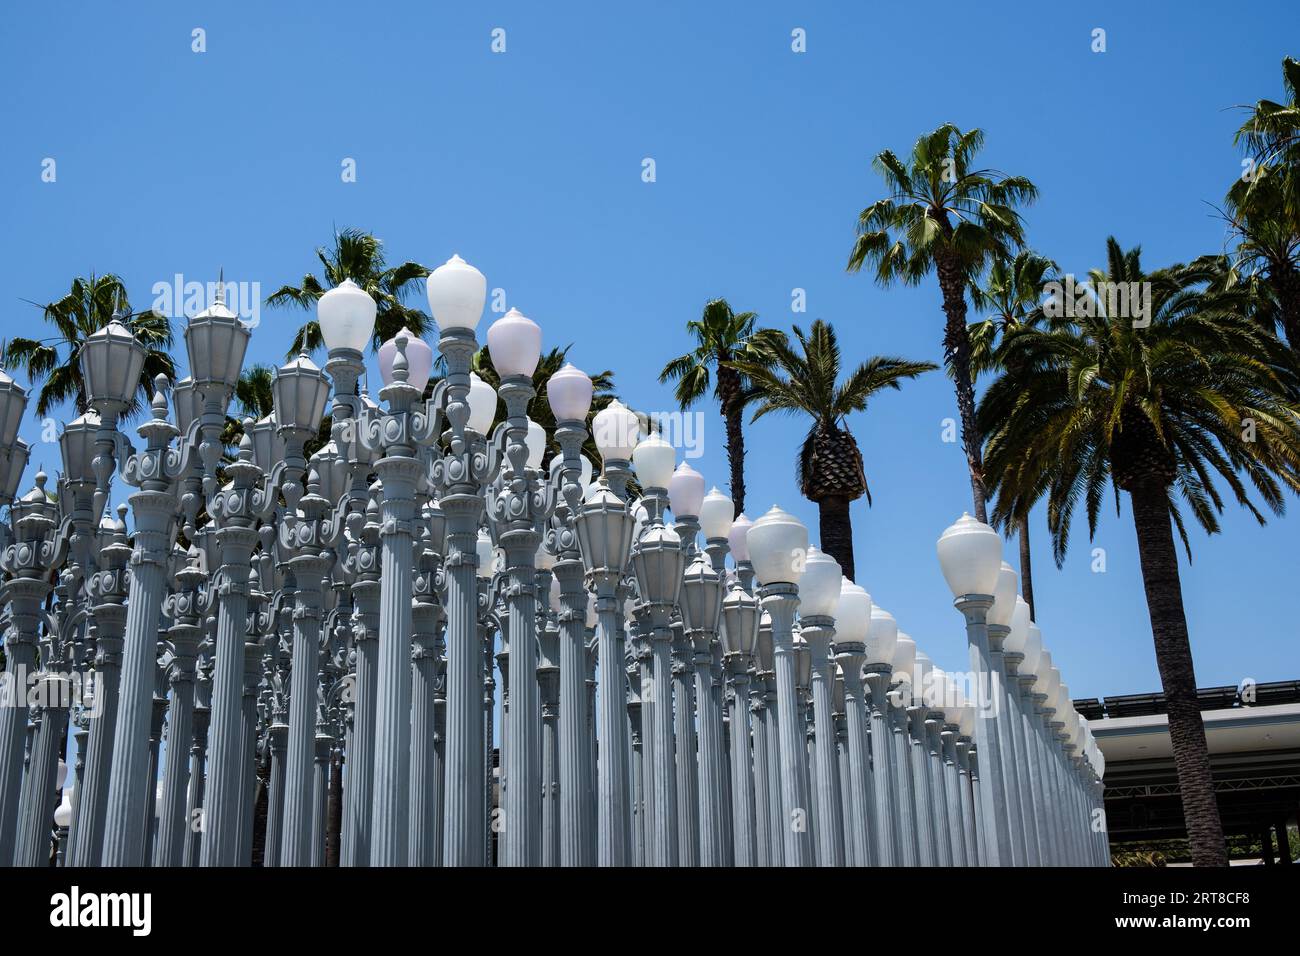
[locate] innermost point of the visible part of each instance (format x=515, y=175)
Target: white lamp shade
x=346, y=315
x=1004, y=596
x=515, y=342
x=686, y=491
x=921, y=671
x=615, y=429
x=1043, y=672
x=457, y=292
x=419, y=359
x=555, y=595
x=536, y=442
x=584, y=471
x=970, y=554
x=904, y=655
x=716, y=512
x=63, y=812
x=778, y=547
x=482, y=404
x=881, y=637
x=1033, y=649
x=819, y=591
x=569, y=393
x=1014, y=643
x=653, y=458
x=483, y=549
x=852, y=614
x=61, y=776
x=738, y=537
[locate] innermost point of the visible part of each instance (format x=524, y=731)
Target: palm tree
x=945, y=217
x=90, y=304
x=358, y=256
x=829, y=467
x=1010, y=296
x=1263, y=209
x=1158, y=412
x=254, y=399
x=721, y=338
x=539, y=410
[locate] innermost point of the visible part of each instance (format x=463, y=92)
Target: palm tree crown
x=944, y=215
x=723, y=337
x=358, y=256
x=829, y=466
x=90, y=304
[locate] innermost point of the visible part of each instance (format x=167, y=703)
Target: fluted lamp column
x=778, y=547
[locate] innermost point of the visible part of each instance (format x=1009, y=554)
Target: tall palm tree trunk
x=1026, y=565
x=1178, y=678
x=732, y=413
x=956, y=351
x=836, y=528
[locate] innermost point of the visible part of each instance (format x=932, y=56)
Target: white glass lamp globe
x=555, y=595
x=686, y=491
x=61, y=776
x=881, y=637
x=1004, y=596
x=457, y=292
x=1033, y=649
x=1043, y=672
x=738, y=537
x=778, y=546
x=482, y=404
x=346, y=315
x=483, y=549
x=1014, y=642
x=716, y=512
x=419, y=359
x=970, y=554
x=653, y=458
x=852, y=614
x=63, y=813
x=819, y=591
x=615, y=429
x=568, y=392
x=904, y=655
x=536, y=442
x=922, y=674
x=515, y=343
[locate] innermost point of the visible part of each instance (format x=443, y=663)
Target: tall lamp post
x=970, y=555
x=819, y=596
x=778, y=547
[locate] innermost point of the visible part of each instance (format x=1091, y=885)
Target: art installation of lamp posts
x=346, y=619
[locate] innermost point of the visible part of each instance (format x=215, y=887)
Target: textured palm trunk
x=1285, y=281
x=1026, y=566
x=956, y=352
x=836, y=529
x=729, y=391
x=1177, y=676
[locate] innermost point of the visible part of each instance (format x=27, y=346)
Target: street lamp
x=970, y=555
x=882, y=639
x=819, y=595
x=778, y=547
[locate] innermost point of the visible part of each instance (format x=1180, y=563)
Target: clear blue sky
x=528, y=163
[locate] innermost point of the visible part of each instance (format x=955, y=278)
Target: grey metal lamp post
x=900, y=697
x=605, y=528
x=457, y=292
x=853, y=622
x=740, y=612
x=701, y=606
x=819, y=598
x=881, y=642
x=970, y=555
x=778, y=546
x=659, y=561
x=186, y=607
x=569, y=393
